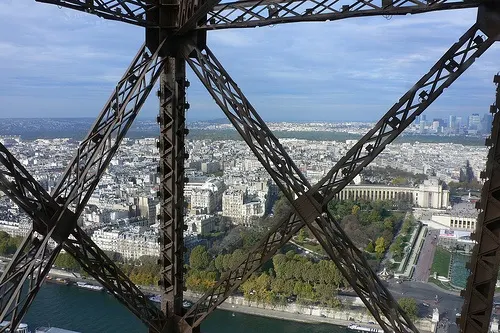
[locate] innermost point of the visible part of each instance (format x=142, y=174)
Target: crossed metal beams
x=485, y=260
x=129, y=11
x=255, y=13
x=52, y=215
x=311, y=202
x=248, y=14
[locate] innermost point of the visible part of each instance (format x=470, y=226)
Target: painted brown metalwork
x=171, y=145
x=309, y=205
x=56, y=216
x=175, y=31
x=249, y=14
x=485, y=260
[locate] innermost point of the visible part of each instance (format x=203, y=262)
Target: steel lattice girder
x=246, y=14
x=52, y=215
x=171, y=193
x=485, y=260
x=460, y=56
x=35, y=258
x=129, y=11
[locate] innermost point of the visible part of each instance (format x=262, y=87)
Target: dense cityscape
x=410, y=192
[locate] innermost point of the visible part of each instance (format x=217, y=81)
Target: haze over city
x=60, y=63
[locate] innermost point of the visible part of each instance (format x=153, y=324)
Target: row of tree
x=398, y=246
x=144, y=272
x=287, y=275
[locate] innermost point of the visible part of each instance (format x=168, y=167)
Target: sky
x=56, y=62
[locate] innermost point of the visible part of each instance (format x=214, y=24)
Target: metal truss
x=35, y=257
x=172, y=154
x=485, y=260
x=247, y=14
x=52, y=215
x=129, y=11
x=311, y=204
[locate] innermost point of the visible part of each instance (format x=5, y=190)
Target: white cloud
x=52, y=57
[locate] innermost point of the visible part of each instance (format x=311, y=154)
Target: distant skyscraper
x=435, y=125
x=486, y=123
x=452, y=123
x=417, y=120
x=474, y=121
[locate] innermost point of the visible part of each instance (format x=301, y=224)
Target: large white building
x=462, y=217
x=207, y=196
x=430, y=194
x=131, y=243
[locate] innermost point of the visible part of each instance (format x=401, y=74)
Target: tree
x=380, y=246
x=397, y=248
x=388, y=224
x=355, y=210
x=199, y=258
x=409, y=305
x=301, y=237
x=66, y=261
x=370, y=248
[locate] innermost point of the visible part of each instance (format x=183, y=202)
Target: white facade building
x=131, y=243
x=462, y=216
x=232, y=200
x=430, y=194
x=208, y=196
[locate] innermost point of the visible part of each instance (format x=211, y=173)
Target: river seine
x=97, y=312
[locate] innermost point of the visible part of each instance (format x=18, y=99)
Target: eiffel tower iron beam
x=485, y=260
x=35, y=258
x=249, y=14
x=455, y=61
x=129, y=11
x=171, y=193
x=56, y=220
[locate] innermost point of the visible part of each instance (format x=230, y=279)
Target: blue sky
x=62, y=63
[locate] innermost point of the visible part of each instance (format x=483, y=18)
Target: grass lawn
x=441, y=262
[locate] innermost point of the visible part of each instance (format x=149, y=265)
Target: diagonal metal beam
x=248, y=14
x=34, y=258
x=273, y=156
x=209, y=15
x=460, y=56
x=485, y=260
x=129, y=11
x=52, y=215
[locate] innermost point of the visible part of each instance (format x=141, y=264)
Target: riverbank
x=291, y=312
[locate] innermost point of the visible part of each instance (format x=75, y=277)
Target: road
x=424, y=263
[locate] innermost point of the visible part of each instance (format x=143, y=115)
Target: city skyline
x=59, y=63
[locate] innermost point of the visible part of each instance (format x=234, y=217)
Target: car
x=425, y=304
x=371, y=322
